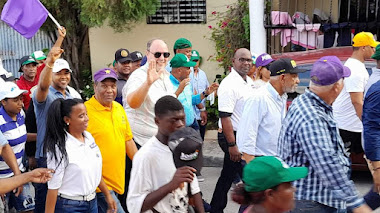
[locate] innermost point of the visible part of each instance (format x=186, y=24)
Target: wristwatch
x=204, y=94
x=231, y=144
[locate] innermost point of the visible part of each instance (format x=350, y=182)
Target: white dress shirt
x=263, y=114
x=232, y=94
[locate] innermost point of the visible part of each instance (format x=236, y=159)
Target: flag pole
x=55, y=21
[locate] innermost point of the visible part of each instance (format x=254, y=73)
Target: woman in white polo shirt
x=75, y=157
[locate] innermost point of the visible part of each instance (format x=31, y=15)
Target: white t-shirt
x=141, y=119
x=343, y=109
x=80, y=175
x=153, y=167
x=232, y=94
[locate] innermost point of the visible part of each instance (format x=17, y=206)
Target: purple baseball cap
x=263, y=60
x=328, y=70
x=104, y=73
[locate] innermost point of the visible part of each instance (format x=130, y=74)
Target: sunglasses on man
x=158, y=54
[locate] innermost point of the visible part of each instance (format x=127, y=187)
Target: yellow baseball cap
x=364, y=39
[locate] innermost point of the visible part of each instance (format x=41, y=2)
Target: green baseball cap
x=181, y=60
x=267, y=171
x=182, y=43
x=195, y=56
x=376, y=55
x=38, y=55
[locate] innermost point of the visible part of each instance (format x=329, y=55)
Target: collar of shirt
x=375, y=69
x=238, y=77
x=315, y=97
x=54, y=91
x=174, y=80
x=97, y=105
x=272, y=91
x=75, y=141
x=6, y=117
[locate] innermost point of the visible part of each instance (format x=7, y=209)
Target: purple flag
x=25, y=16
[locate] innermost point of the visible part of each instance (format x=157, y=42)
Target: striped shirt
x=15, y=133
x=309, y=137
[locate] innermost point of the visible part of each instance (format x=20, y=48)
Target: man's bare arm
x=357, y=100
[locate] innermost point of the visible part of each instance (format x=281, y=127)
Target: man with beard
x=232, y=93
x=265, y=110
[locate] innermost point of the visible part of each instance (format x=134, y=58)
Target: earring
x=67, y=124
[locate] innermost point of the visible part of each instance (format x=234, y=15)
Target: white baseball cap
x=61, y=64
x=10, y=90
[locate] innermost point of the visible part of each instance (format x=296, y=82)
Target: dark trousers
x=128, y=168
x=229, y=171
x=202, y=129
x=41, y=189
x=372, y=199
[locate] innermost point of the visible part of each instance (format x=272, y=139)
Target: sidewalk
x=212, y=153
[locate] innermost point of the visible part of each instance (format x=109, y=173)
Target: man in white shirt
x=348, y=107
x=232, y=93
x=156, y=185
x=265, y=110
x=144, y=87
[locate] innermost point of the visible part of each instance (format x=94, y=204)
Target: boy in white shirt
x=156, y=185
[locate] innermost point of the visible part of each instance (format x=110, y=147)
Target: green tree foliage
x=78, y=15
x=230, y=33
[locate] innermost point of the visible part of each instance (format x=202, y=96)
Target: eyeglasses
x=242, y=60
x=158, y=54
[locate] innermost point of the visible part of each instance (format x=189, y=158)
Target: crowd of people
x=136, y=144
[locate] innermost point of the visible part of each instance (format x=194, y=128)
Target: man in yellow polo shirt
x=109, y=125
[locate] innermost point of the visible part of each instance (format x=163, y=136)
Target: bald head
x=242, y=61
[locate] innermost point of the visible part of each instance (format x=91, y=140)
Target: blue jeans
x=102, y=204
x=24, y=201
x=228, y=174
x=310, y=206
x=372, y=199
x=64, y=205
x=41, y=189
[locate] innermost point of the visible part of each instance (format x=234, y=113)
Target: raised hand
x=53, y=55
x=62, y=32
x=153, y=74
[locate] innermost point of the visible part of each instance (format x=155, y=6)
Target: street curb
x=212, y=161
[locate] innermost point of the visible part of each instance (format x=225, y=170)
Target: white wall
x=104, y=41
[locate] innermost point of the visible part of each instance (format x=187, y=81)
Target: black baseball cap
x=186, y=145
x=122, y=55
x=26, y=60
x=283, y=66
x=136, y=56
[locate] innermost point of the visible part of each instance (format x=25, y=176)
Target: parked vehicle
x=305, y=60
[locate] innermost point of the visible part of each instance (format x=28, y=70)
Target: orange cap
x=364, y=39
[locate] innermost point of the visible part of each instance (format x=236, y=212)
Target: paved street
x=362, y=180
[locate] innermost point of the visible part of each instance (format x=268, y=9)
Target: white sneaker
x=200, y=178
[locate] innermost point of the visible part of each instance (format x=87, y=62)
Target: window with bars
x=179, y=12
